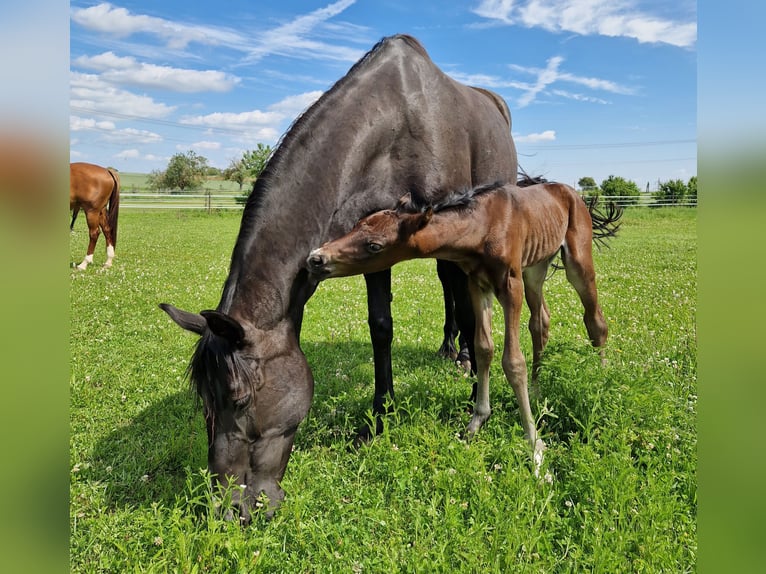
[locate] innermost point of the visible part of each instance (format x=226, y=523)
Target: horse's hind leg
x=539, y=319
x=103, y=222
x=93, y=220
x=578, y=262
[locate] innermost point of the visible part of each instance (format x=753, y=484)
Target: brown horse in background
x=95, y=190
x=504, y=237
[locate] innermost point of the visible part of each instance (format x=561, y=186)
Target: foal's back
x=529, y=224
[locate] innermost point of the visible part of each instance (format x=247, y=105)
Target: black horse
x=394, y=123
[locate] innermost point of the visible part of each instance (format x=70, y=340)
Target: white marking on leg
x=109, y=255
x=85, y=262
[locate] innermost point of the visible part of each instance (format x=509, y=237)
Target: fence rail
x=210, y=201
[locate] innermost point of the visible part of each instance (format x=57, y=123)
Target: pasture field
x=619, y=487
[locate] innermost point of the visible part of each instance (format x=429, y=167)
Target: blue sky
x=595, y=87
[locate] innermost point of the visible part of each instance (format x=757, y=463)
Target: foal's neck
x=453, y=232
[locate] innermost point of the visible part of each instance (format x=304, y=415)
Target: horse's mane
x=297, y=126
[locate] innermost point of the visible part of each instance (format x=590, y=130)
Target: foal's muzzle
x=317, y=263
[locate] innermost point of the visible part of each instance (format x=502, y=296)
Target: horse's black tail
x=605, y=223
x=114, y=205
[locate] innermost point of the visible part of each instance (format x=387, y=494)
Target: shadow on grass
x=148, y=461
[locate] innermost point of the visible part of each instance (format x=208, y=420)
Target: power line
x=609, y=145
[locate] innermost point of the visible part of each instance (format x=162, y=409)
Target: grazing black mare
x=394, y=123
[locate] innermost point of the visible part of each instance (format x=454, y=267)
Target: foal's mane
x=464, y=198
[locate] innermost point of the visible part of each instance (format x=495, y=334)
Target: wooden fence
x=212, y=201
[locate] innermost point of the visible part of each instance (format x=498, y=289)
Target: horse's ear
x=190, y=321
x=404, y=201
x=224, y=326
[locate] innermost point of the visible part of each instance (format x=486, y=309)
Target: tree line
x=188, y=171
x=626, y=192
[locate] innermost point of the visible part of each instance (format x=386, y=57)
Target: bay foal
x=504, y=237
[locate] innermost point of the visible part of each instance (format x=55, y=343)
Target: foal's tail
x=114, y=205
x=605, y=223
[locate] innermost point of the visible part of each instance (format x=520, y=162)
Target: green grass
x=619, y=493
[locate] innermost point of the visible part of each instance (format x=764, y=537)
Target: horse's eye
x=373, y=247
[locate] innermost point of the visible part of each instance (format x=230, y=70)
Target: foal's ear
x=404, y=202
x=425, y=217
x=224, y=326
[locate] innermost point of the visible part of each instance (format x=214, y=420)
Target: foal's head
x=377, y=242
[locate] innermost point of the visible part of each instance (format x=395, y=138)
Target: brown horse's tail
x=605, y=223
x=114, y=205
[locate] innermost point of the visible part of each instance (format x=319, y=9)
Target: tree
x=587, y=183
x=691, y=189
x=622, y=191
x=185, y=171
x=249, y=166
x=670, y=192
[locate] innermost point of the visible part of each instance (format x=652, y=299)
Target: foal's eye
x=373, y=247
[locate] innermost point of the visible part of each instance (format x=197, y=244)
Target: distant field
x=133, y=182
x=620, y=493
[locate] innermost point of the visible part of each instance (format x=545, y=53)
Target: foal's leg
x=539, y=318
x=381, y=334
x=93, y=219
x=484, y=349
x=577, y=256
x=514, y=365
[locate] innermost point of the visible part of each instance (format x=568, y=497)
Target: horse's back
x=90, y=185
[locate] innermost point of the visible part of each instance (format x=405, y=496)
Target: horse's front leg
x=447, y=349
x=381, y=334
x=484, y=349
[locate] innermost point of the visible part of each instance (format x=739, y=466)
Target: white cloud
x=76, y=124
x=110, y=132
x=91, y=93
x=590, y=17
x=119, y=22
x=546, y=136
x=293, y=39
x=126, y=70
x=551, y=75
x=202, y=145
x=265, y=123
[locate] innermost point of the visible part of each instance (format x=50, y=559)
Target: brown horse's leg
x=514, y=365
x=539, y=318
x=103, y=222
x=484, y=349
x=577, y=256
x=93, y=219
